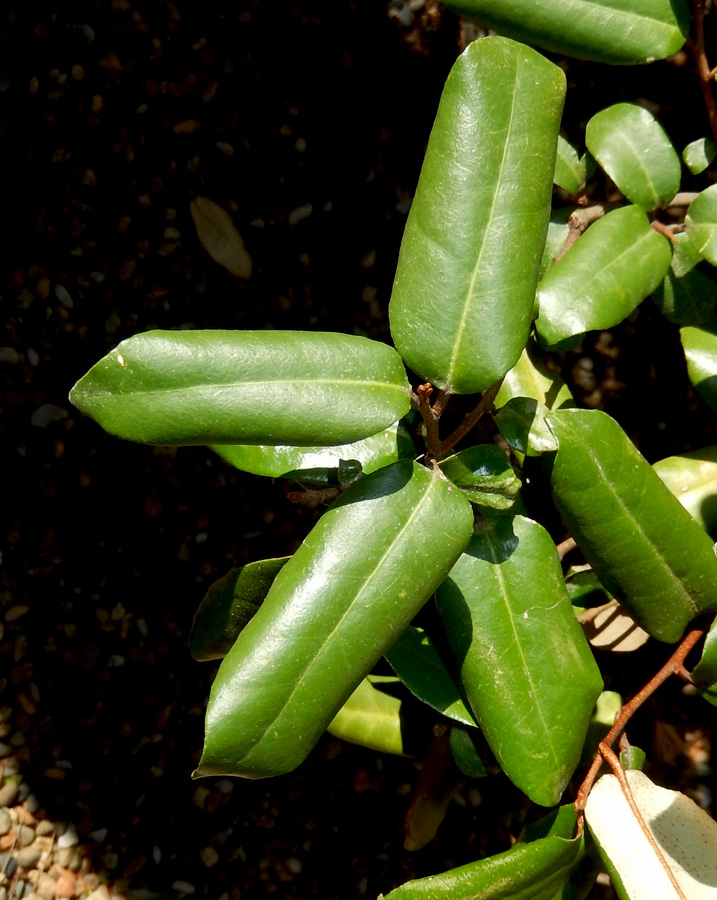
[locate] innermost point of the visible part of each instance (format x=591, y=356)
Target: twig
x=664, y=230
x=565, y=547
x=706, y=74
x=485, y=405
x=431, y=415
x=682, y=199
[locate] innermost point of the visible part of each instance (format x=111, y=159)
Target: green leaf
x=525, y=666
x=522, y=423
x=585, y=589
x=558, y=231
x=632, y=147
x=417, y=663
x=245, y=387
x=699, y=154
x=569, y=168
x=618, y=262
x=688, y=294
x=608, y=705
x=692, y=478
x=319, y=465
x=528, y=871
x=701, y=224
x=677, y=825
x=463, y=296
x=700, y=346
x=531, y=377
x=633, y=758
x=645, y=548
x=705, y=672
x=228, y=606
x=612, y=31
x=371, y=718
x=335, y=608
x=485, y=476
x=471, y=753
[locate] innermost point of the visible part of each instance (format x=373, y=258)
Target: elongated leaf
x=701, y=222
x=219, y=236
x=705, y=672
x=370, y=718
x=528, y=871
x=320, y=465
x=699, y=154
x=688, y=294
x=417, y=663
x=526, y=668
x=569, y=168
x=245, y=387
x=462, y=300
x=631, y=146
x=692, y=478
x=607, y=707
x=685, y=834
x=522, y=424
x=646, y=549
x=618, y=262
x=335, y=608
x=585, y=589
x=611, y=32
x=471, y=753
x=531, y=377
x=228, y=606
x=700, y=346
x=558, y=231
x=485, y=476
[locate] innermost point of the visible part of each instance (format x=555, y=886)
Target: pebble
x=8, y=792
x=8, y=864
x=5, y=750
x=5, y=821
x=29, y=857
x=69, y=838
x=44, y=828
x=22, y=891
x=23, y=792
x=209, y=856
x=183, y=887
x=12, y=767
x=3, y=893
x=32, y=804
x=47, y=414
x=46, y=886
x=25, y=835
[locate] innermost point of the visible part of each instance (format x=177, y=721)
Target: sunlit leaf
x=558, y=231
x=701, y=224
x=219, y=236
x=533, y=377
x=699, y=154
x=370, y=717
x=692, y=478
x=569, y=168
x=485, y=476
x=522, y=423
x=700, y=346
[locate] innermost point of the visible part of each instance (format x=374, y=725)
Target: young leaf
x=335, y=608
x=245, y=387
x=228, y=606
x=631, y=146
x=528, y=871
x=569, y=168
x=692, y=478
x=320, y=464
x=219, y=237
x=699, y=154
x=558, y=231
x=531, y=377
x=371, y=718
x=646, y=549
x=525, y=666
x=638, y=32
x=684, y=833
x=485, y=476
x=522, y=423
x=700, y=346
x=465, y=285
x=618, y=262
x=701, y=224
x=417, y=663
x=688, y=294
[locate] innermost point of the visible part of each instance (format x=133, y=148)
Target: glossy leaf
x=633, y=758
x=700, y=346
x=618, y=262
x=528, y=871
x=371, y=718
x=558, y=231
x=485, y=476
x=688, y=293
x=692, y=478
x=471, y=753
x=417, y=663
x=464, y=290
x=229, y=604
x=569, y=168
x=632, y=147
x=607, y=707
x=526, y=668
x=245, y=387
x=522, y=424
x=531, y=377
x=320, y=465
x=699, y=154
x=585, y=589
x=219, y=236
x=614, y=32
x=701, y=224
x=646, y=549
x=685, y=834
x=705, y=672
x=336, y=607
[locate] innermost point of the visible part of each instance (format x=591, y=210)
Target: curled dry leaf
x=609, y=627
x=219, y=237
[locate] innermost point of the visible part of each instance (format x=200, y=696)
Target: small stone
x=29, y=857
x=46, y=886
x=3, y=893
x=63, y=855
x=45, y=828
x=22, y=891
x=182, y=887
x=9, y=355
x=69, y=838
x=8, y=864
x=5, y=750
x=25, y=835
x=66, y=884
x=8, y=792
x=45, y=415
x=15, y=612
x=23, y=792
x=32, y=804
x=5, y=821
x=209, y=856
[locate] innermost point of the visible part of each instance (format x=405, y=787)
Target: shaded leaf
x=705, y=672
x=471, y=752
x=645, y=548
x=320, y=465
x=245, y=387
x=525, y=666
x=609, y=627
x=585, y=588
x=701, y=224
x=439, y=779
x=485, y=476
x=700, y=346
x=228, y=605
x=219, y=236
x=688, y=293
x=677, y=825
x=522, y=423
x=417, y=663
x=569, y=168
x=371, y=718
x=632, y=147
x=336, y=607
x=618, y=262
x=638, y=32
x=487, y=175
x=558, y=231
x=692, y=478
x=531, y=377
x=699, y=154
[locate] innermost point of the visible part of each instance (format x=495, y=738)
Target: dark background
x=308, y=121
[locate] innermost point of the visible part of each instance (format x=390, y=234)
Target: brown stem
x=706, y=74
x=565, y=547
x=431, y=416
x=485, y=405
x=665, y=230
